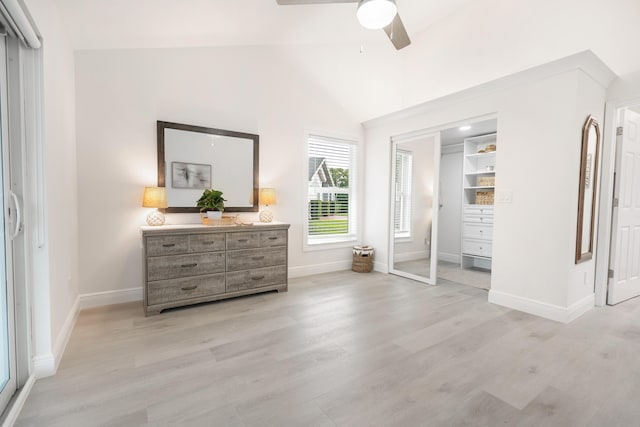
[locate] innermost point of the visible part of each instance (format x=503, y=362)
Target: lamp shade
x=154, y=197
x=267, y=196
x=376, y=14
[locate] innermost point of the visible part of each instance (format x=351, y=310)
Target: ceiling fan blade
x=296, y=2
x=397, y=33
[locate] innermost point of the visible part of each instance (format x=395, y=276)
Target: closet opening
x=442, y=193
x=468, y=174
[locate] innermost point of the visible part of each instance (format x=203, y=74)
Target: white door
x=413, y=234
x=625, y=232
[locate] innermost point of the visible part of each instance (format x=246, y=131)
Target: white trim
x=410, y=256
x=44, y=365
x=98, y=299
x=548, y=311
x=65, y=333
x=16, y=406
x=381, y=267
x=309, y=270
x=454, y=258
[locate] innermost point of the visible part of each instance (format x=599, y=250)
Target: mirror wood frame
x=590, y=123
x=161, y=126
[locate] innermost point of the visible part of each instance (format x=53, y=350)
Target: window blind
x=331, y=182
x=403, y=183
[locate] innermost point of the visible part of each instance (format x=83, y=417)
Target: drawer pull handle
x=257, y=278
x=168, y=245
x=242, y=240
x=273, y=238
x=189, y=265
x=257, y=258
x=189, y=288
x=211, y=242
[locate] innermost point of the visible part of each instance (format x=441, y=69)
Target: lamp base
x=155, y=218
x=266, y=215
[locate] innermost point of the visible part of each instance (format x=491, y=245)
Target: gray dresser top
x=148, y=230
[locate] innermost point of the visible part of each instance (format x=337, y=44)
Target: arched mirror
x=587, y=189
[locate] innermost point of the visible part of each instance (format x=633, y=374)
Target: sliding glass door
x=8, y=209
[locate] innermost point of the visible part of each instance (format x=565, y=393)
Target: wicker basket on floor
x=362, y=259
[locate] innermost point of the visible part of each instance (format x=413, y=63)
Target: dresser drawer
x=244, y=240
x=477, y=210
x=481, y=219
x=259, y=277
x=165, y=291
x=207, y=242
x=477, y=231
x=273, y=238
x=255, y=258
x=170, y=267
x=167, y=245
x=476, y=247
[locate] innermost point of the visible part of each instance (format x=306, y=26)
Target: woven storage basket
x=484, y=197
x=362, y=259
x=486, y=181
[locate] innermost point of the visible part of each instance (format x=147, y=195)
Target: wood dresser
x=189, y=264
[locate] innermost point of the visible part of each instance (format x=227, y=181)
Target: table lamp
x=267, y=197
x=155, y=197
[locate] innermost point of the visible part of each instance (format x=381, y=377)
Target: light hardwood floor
x=345, y=349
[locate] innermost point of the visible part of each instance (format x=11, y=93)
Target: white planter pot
x=214, y=214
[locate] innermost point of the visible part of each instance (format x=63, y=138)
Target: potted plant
x=212, y=203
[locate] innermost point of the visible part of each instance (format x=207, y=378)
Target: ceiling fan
x=372, y=14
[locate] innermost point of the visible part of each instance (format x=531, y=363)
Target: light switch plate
x=504, y=196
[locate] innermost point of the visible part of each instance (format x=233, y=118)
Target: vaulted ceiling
x=100, y=24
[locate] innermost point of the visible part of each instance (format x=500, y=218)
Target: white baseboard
x=542, y=309
x=381, y=267
x=410, y=256
x=308, y=270
x=16, y=407
x=65, y=333
x=44, y=365
x=454, y=258
x=98, y=299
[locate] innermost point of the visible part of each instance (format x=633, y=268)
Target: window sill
x=323, y=244
x=403, y=239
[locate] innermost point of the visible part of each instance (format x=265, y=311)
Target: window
x=403, y=178
x=330, y=190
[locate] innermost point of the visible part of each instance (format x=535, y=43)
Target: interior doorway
x=467, y=185
x=624, y=253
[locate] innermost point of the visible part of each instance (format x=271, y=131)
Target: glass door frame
x=8, y=211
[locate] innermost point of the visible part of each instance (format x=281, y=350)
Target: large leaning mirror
x=414, y=181
x=587, y=189
x=192, y=158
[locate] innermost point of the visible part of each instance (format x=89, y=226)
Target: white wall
x=121, y=94
x=450, y=218
x=540, y=118
x=56, y=282
x=490, y=39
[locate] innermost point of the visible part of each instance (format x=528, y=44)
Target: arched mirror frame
x=588, y=185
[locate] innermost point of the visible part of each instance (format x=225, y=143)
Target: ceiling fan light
x=376, y=14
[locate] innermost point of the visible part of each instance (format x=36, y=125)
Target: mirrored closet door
x=414, y=201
